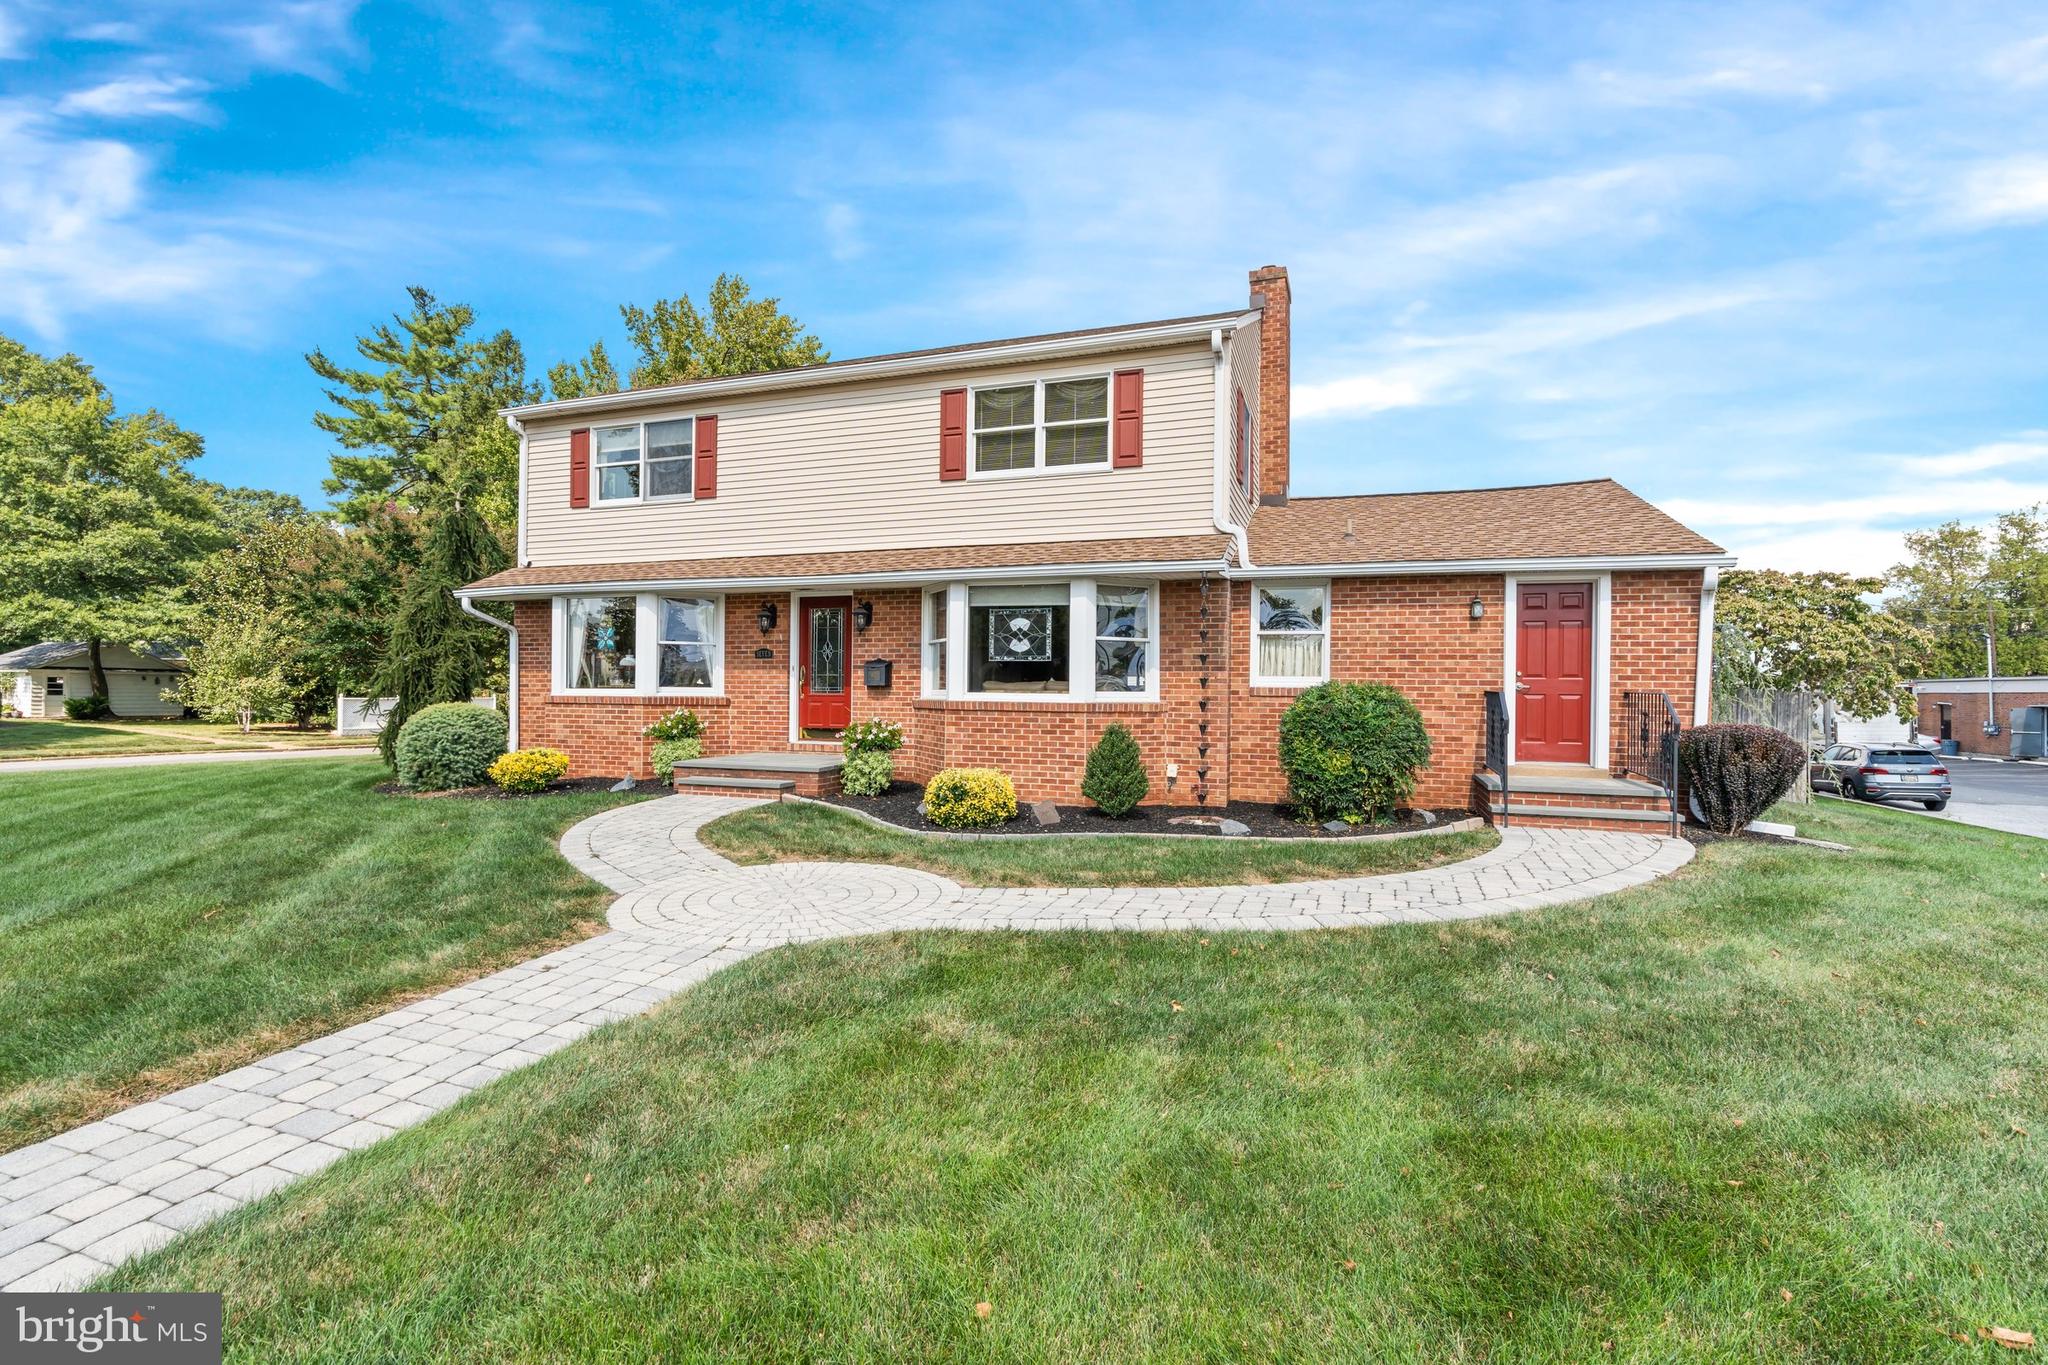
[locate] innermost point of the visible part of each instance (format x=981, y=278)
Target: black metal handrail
x=1497, y=747
x=1649, y=743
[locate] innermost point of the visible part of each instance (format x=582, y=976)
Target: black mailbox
x=875, y=672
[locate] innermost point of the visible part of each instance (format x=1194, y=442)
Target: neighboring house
x=48, y=673
x=1007, y=546
x=1957, y=709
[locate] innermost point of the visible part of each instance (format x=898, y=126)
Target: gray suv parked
x=1873, y=772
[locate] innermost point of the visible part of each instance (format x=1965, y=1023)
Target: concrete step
x=715, y=784
x=1535, y=814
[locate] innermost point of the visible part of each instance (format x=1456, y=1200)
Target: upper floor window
x=1290, y=634
x=642, y=461
x=1044, y=424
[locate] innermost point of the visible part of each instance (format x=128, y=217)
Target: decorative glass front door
x=823, y=700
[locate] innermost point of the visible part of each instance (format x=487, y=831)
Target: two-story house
x=1007, y=546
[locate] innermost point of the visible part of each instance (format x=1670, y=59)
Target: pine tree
x=1115, y=779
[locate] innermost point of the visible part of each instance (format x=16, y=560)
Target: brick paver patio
x=82, y=1202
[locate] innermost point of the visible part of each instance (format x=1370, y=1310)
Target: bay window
x=601, y=635
x=689, y=638
x=601, y=644
x=1123, y=638
x=1290, y=634
x=645, y=461
x=1068, y=640
x=1041, y=424
x=1017, y=638
x=936, y=629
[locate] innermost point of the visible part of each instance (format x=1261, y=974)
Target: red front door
x=1554, y=672
x=824, y=698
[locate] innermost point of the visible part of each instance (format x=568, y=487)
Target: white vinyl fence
x=366, y=715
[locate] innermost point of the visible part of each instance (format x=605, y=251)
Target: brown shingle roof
x=1542, y=521
x=848, y=563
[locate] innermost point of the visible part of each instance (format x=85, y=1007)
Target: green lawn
x=161, y=928
x=796, y=831
x=1769, y=1110
x=22, y=739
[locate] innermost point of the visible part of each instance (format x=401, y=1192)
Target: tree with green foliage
x=738, y=334
x=100, y=520
x=1940, y=590
x=252, y=658
x=593, y=374
x=1115, y=776
x=424, y=414
x=1817, y=632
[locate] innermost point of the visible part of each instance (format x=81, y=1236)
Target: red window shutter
x=707, y=457
x=579, y=467
x=1130, y=419
x=953, y=435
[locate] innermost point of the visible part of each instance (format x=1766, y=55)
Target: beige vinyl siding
x=1244, y=378
x=856, y=466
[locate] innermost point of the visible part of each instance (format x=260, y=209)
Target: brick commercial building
x=1956, y=708
x=1008, y=546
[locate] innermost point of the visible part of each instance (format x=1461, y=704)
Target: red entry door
x=1554, y=672
x=824, y=698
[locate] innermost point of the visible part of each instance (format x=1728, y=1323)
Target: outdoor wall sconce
x=863, y=616
x=766, y=618
x=1478, y=609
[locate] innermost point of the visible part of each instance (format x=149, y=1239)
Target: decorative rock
x=1235, y=827
x=1336, y=827
x=920, y=808
x=625, y=784
x=1427, y=817
x=1201, y=821
x=1045, y=813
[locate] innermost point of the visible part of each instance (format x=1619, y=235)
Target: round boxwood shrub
x=1737, y=772
x=1350, y=750
x=529, y=770
x=670, y=752
x=970, y=798
x=868, y=772
x=449, y=744
x=1115, y=778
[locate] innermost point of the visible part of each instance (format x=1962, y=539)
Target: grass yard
x=1775, y=1109
x=160, y=927
x=796, y=831
x=24, y=739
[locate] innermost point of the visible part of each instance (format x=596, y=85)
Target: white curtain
x=1291, y=656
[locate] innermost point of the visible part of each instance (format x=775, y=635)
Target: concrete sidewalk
x=65, y=765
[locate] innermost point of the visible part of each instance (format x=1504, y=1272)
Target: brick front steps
x=762, y=775
x=1576, y=798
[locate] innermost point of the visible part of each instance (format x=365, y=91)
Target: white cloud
x=2012, y=189
x=13, y=35
x=1759, y=74
x=139, y=96
x=299, y=36
x=2022, y=64
x=843, y=240
x=110, y=31
x=2029, y=447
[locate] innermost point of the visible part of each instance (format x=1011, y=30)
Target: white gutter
x=895, y=577
x=843, y=372
x=1399, y=567
x=1703, y=674
x=511, y=675
x=1220, y=483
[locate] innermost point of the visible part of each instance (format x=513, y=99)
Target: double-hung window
x=644, y=461
x=1123, y=638
x=935, y=632
x=602, y=643
x=689, y=641
x=1043, y=424
x=1290, y=634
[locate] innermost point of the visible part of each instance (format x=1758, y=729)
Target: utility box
x=2029, y=731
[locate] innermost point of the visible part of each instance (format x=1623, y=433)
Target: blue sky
x=1779, y=268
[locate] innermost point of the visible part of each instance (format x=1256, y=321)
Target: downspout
x=1703, y=676
x=1220, y=485
x=511, y=675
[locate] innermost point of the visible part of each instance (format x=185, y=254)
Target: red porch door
x=824, y=699
x=1554, y=672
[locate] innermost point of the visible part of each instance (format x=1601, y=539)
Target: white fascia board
x=1391, y=568
x=893, y=578
x=849, y=371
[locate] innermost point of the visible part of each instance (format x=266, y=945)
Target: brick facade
x=1270, y=291
x=1415, y=632
x=1967, y=705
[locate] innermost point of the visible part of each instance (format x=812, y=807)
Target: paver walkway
x=86, y=1200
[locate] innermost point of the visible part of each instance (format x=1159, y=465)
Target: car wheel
x=1936, y=805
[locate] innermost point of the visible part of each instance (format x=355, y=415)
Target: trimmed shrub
x=528, y=770
x=449, y=744
x=1351, y=750
x=679, y=724
x=1737, y=772
x=867, y=773
x=970, y=798
x=1115, y=779
x=94, y=707
x=670, y=752
x=871, y=737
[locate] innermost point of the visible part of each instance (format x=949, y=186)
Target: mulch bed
x=645, y=787
x=899, y=805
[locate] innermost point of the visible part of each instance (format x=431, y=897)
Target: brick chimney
x=1269, y=291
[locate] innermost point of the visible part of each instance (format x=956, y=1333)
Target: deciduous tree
x=1819, y=633
x=739, y=334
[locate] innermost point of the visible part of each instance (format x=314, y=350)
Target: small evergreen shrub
x=449, y=744
x=94, y=707
x=871, y=737
x=1115, y=779
x=1350, y=750
x=679, y=724
x=528, y=770
x=970, y=798
x=867, y=773
x=669, y=752
x=1737, y=772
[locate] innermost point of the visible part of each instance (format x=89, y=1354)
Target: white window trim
x=646, y=631
x=933, y=604
x=1038, y=467
x=1259, y=679
x=1603, y=610
x=1080, y=645
x=597, y=497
